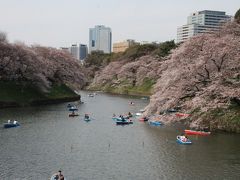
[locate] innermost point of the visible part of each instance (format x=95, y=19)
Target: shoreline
x=116, y=93
x=14, y=104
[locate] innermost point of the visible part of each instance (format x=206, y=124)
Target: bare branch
x=222, y=60
x=219, y=66
x=208, y=74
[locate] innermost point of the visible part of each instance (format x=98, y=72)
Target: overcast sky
x=60, y=23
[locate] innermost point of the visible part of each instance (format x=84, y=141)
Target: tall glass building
x=83, y=51
x=201, y=22
x=100, y=39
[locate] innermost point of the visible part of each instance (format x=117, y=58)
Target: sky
x=60, y=23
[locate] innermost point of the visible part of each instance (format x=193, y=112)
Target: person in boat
x=121, y=116
x=14, y=122
x=9, y=121
x=145, y=118
x=59, y=176
x=130, y=114
x=86, y=116
x=184, y=138
x=132, y=103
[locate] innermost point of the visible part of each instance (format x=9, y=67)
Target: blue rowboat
x=10, y=125
x=123, y=122
x=73, y=108
x=183, y=140
x=118, y=119
x=115, y=118
x=154, y=123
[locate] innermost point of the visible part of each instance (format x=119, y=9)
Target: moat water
x=48, y=140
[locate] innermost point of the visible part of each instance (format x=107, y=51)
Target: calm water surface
x=48, y=140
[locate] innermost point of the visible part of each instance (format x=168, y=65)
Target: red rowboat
x=182, y=115
x=192, y=132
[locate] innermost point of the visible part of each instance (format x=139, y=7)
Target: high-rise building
x=201, y=22
x=83, y=51
x=122, y=46
x=100, y=39
x=74, y=50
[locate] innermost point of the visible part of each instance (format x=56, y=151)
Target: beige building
x=122, y=46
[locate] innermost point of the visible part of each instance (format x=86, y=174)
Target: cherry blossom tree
x=40, y=66
x=203, y=73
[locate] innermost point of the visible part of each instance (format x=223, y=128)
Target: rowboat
x=10, y=125
x=54, y=177
x=193, y=132
x=73, y=108
x=155, y=123
x=184, y=115
x=123, y=122
x=117, y=118
x=73, y=115
x=183, y=140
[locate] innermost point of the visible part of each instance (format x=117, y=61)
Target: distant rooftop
x=210, y=12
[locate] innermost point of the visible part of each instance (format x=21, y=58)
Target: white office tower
x=100, y=39
x=201, y=22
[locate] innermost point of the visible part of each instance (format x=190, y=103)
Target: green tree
x=237, y=16
x=165, y=48
x=3, y=37
x=95, y=58
x=138, y=50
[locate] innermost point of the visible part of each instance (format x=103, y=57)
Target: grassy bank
x=13, y=94
x=226, y=119
x=222, y=119
x=125, y=87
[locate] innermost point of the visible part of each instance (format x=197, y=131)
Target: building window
x=93, y=43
